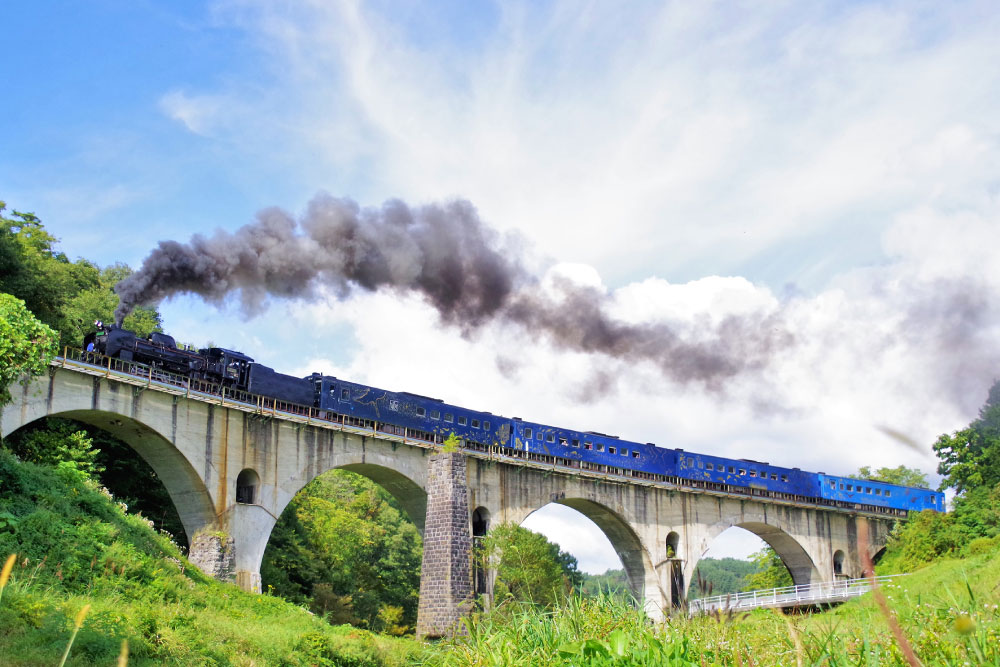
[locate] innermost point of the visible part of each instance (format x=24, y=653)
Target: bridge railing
x=790, y=596
x=140, y=374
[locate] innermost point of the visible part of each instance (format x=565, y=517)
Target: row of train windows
x=450, y=418
x=859, y=489
x=576, y=443
x=763, y=474
x=600, y=447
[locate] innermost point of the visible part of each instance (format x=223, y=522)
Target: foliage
x=56, y=441
x=770, y=571
x=949, y=613
x=26, y=345
x=612, y=582
x=344, y=548
x=970, y=463
x=67, y=296
x=451, y=444
x=117, y=467
x=76, y=546
x=970, y=458
x=721, y=576
x=529, y=568
x=900, y=475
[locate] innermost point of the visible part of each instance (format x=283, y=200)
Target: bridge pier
x=445, y=571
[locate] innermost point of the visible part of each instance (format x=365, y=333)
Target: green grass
x=76, y=546
x=948, y=612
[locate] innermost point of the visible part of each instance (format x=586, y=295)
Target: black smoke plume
x=448, y=256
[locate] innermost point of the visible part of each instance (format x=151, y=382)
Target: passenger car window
x=449, y=418
x=462, y=421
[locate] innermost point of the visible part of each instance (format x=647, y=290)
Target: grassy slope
x=934, y=607
x=75, y=546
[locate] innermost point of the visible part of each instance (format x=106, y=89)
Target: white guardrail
x=789, y=596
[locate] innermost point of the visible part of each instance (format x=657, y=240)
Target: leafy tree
x=721, y=575
x=99, y=303
x=771, y=572
x=451, y=444
x=612, y=581
x=116, y=466
x=37, y=273
x=900, y=475
x=344, y=548
x=970, y=464
x=67, y=296
x=26, y=345
x=57, y=442
x=970, y=458
x=529, y=568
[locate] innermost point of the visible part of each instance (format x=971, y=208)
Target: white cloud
x=691, y=162
x=198, y=113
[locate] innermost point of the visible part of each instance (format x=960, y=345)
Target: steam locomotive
x=433, y=420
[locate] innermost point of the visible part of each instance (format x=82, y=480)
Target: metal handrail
x=151, y=376
x=790, y=596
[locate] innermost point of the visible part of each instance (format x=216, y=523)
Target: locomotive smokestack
x=447, y=255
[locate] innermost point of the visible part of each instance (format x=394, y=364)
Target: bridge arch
x=181, y=480
x=792, y=554
x=639, y=571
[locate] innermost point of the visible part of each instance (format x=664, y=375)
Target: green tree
x=529, y=568
x=37, y=273
x=26, y=345
x=56, y=442
x=900, y=475
x=721, y=576
x=771, y=572
x=67, y=296
x=344, y=548
x=970, y=458
x=117, y=466
x=451, y=444
x=99, y=303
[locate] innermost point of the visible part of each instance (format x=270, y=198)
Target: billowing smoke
x=445, y=254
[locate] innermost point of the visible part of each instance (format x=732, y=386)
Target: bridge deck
x=806, y=595
x=142, y=375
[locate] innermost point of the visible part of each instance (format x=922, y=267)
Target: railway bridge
x=231, y=464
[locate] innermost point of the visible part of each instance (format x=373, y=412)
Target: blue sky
x=835, y=164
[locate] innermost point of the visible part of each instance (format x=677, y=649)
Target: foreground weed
x=5, y=573
x=77, y=624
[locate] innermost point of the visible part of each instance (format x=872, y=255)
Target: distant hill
x=719, y=575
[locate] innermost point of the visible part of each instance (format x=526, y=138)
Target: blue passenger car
x=880, y=494
x=425, y=417
x=745, y=473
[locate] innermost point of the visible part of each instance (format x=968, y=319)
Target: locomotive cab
x=229, y=366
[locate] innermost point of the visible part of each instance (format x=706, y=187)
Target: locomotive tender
x=433, y=420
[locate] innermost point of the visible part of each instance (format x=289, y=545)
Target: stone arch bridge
x=231, y=467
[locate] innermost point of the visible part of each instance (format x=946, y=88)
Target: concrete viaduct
x=231, y=467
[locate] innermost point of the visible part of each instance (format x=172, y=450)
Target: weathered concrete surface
x=198, y=449
x=638, y=520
